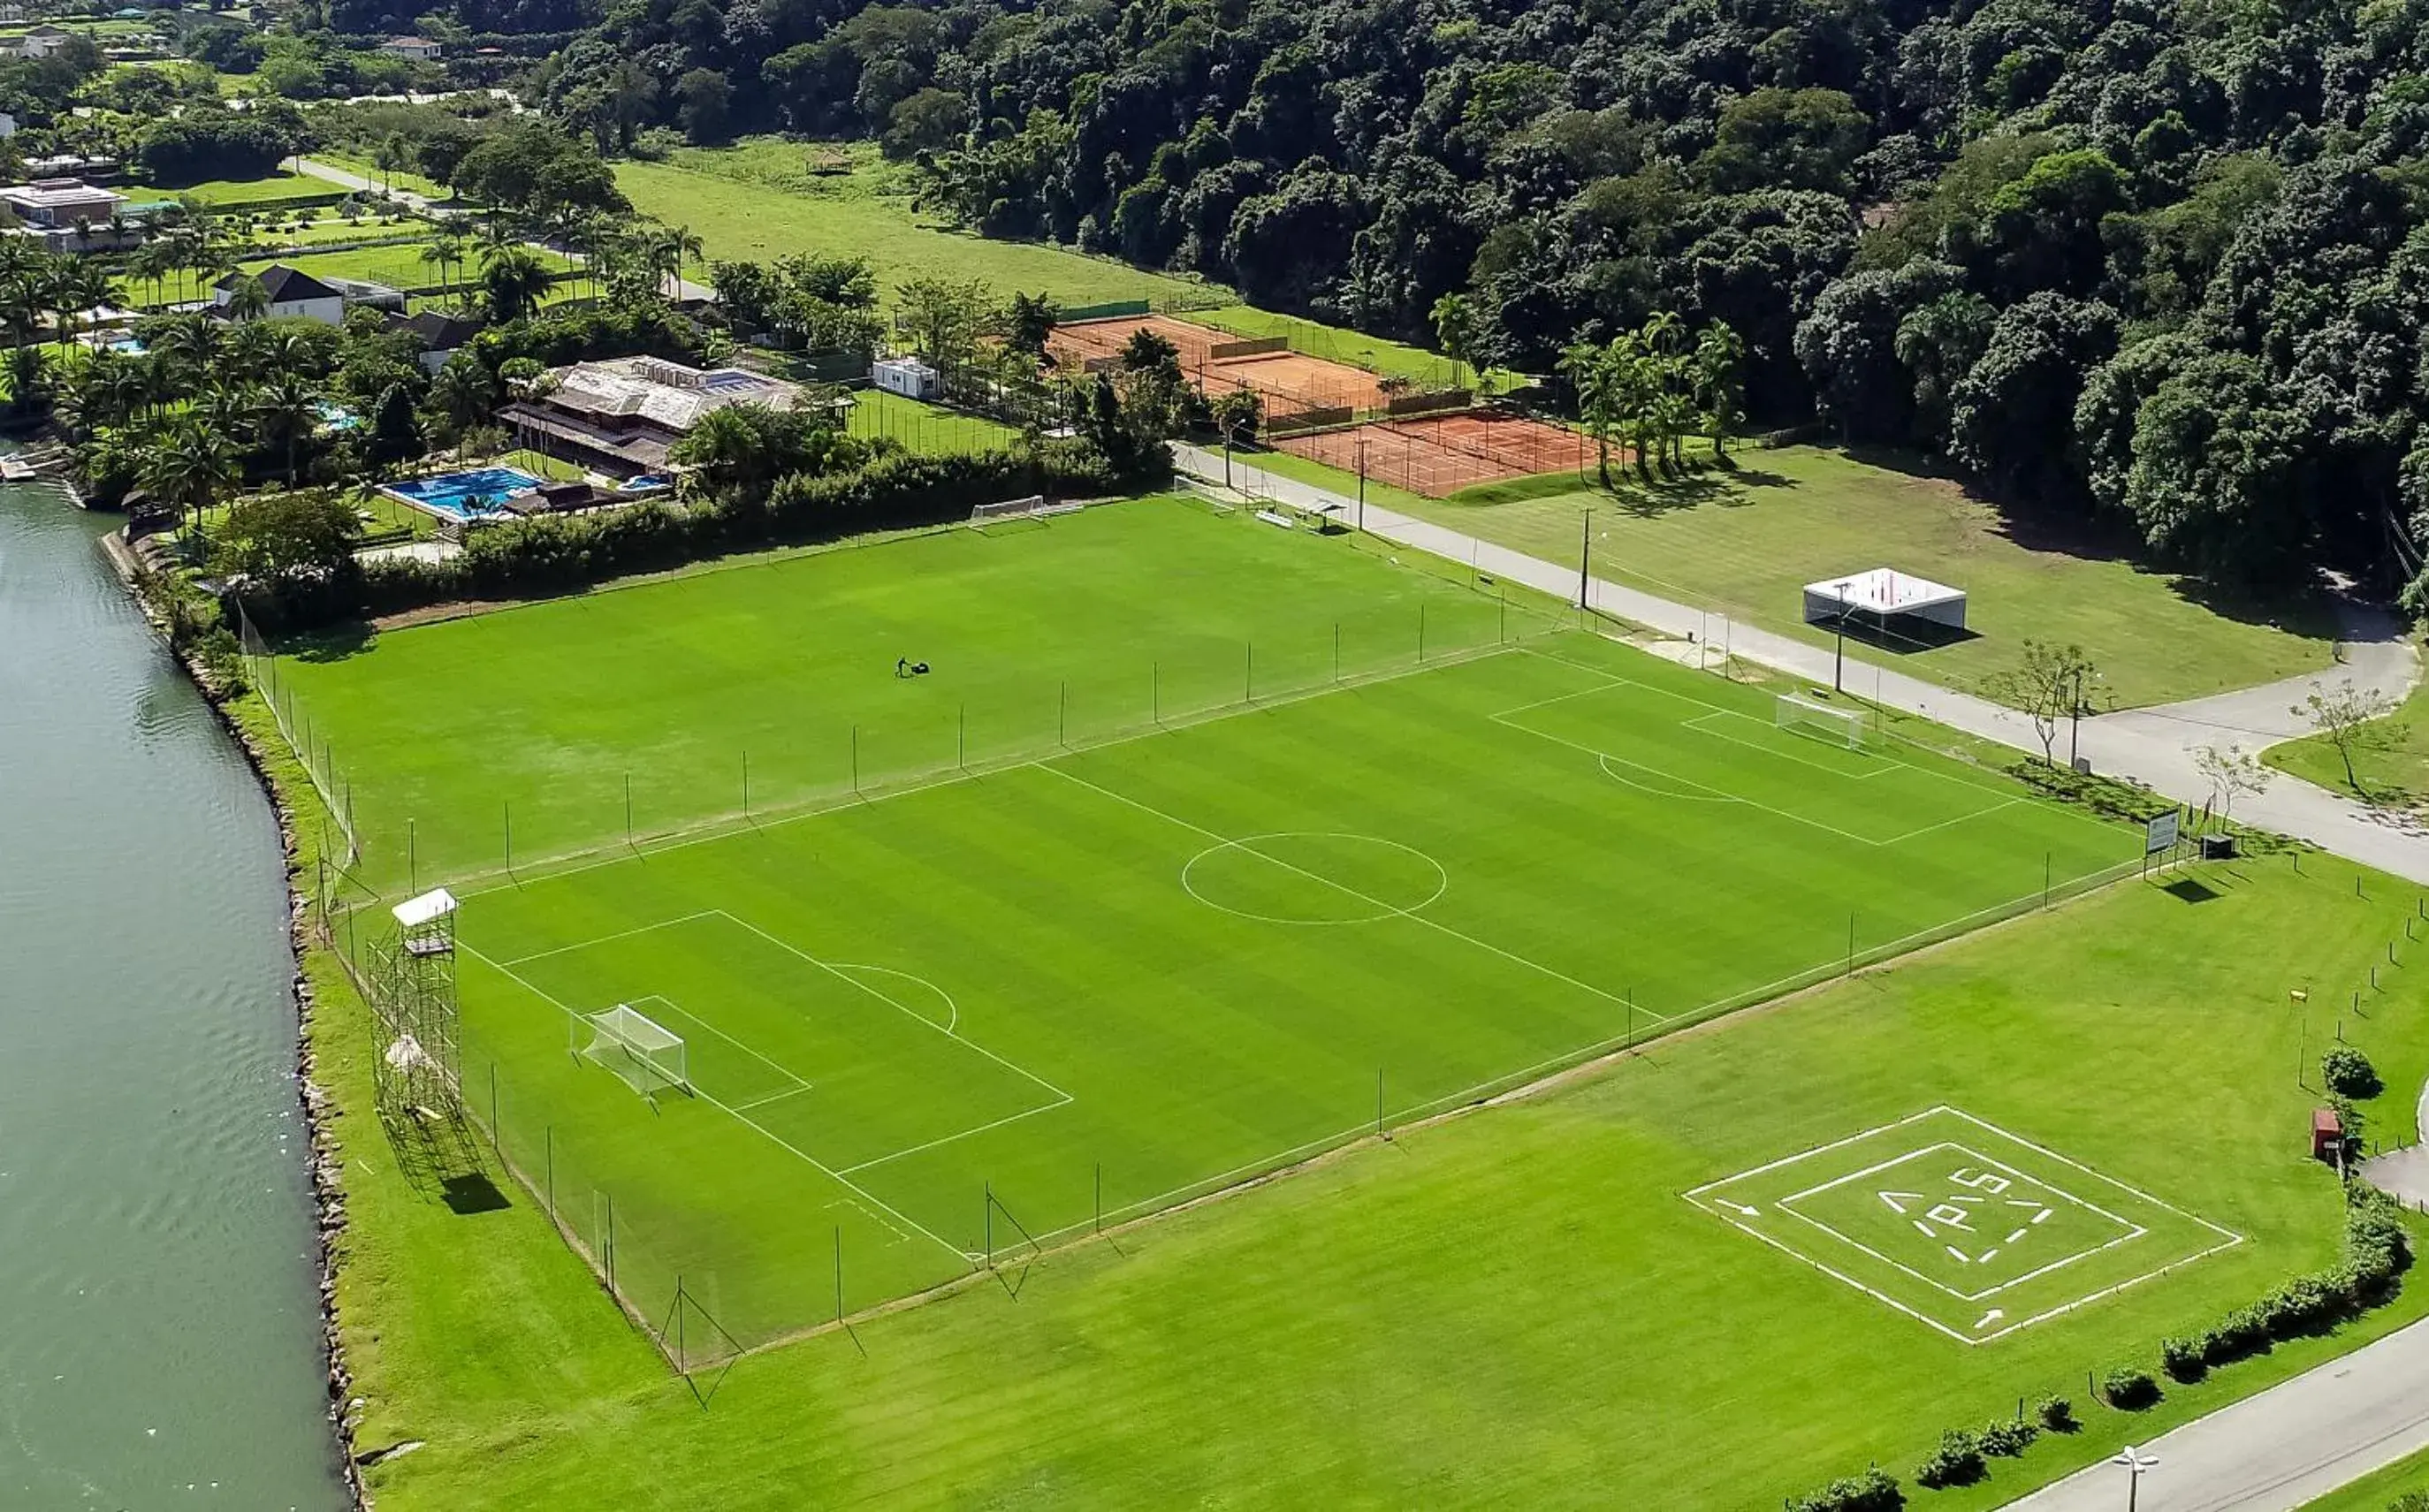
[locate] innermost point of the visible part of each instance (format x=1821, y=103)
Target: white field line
x=607, y=939
x=1719, y=795
x=1702, y=725
x=761, y=1129
x=1615, y=678
x=1695, y=1195
x=616, y=853
x=1372, y=902
x=919, y=1018
x=2133, y=1231
x=800, y=1083
x=1060, y=1098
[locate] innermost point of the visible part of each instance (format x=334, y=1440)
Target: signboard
x=2160, y=833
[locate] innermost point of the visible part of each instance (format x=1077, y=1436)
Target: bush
x=1958, y=1461
x=2057, y=1414
x=2410, y=1502
x=2006, y=1438
x=2239, y=1333
x=2349, y=1073
x=1875, y=1490
x=2129, y=1390
x=2185, y=1359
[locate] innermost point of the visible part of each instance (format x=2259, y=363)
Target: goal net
x=1803, y=716
x=648, y=1055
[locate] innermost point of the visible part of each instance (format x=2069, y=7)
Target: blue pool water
x=477, y=494
x=336, y=417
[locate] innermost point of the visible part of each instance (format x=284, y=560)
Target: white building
x=417, y=49
x=292, y=296
x=44, y=41
x=907, y=377
x=1888, y=601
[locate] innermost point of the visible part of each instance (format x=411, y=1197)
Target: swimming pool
x=479, y=493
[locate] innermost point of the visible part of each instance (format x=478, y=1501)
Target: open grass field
x=1743, y=542
x=237, y=193
x=1518, y=1307
x=925, y=428
x=1095, y=976
x=2390, y=766
x=759, y=201
x=398, y=265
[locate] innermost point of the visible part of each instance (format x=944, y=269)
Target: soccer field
x=956, y=1020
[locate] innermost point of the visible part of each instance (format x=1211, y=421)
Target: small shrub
x=2006, y=1438
x=2185, y=1359
x=2239, y=1333
x=2129, y=1390
x=2055, y=1413
x=2347, y=1072
x=2410, y=1502
x=1958, y=1461
x=1875, y=1490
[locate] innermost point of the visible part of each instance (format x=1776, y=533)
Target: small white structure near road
x=1885, y=599
x=907, y=377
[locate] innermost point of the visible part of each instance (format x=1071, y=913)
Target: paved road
x=2302, y=1437
x=2152, y=746
x=348, y=179
x=2298, y=1441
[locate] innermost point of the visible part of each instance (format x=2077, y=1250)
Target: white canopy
x=416, y=911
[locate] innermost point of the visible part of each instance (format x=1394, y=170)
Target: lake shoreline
x=323, y=1162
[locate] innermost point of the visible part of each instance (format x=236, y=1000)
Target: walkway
x=2152, y=746
x=348, y=179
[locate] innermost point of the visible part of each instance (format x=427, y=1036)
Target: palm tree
x=1588, y=369
x=443, y=249
x=29, y=374
x=187, y=348
x=1719, y=351
x=513, y=281
x=187, y=466
x=249, y=300
x=722, y=448
x=284, y=412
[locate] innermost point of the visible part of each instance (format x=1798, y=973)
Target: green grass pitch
x=964, y=1017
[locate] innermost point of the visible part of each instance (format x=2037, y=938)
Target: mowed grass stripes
x=953, y=1020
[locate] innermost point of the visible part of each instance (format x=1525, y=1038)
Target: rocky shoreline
x=328, y=1197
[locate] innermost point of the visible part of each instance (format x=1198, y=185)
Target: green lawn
x=1512, y=1308
x=224, y=194
x=331, y=229
x=2378, y=1490
x=758, y=201
x=396, y=264
x=927, y=429
x=2391, y=762
x=1744, y=543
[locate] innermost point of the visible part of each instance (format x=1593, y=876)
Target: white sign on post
x=2160, y=833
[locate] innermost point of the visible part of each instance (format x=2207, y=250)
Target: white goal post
x=1036, y=506
x=648, y=1055
x=1796, y=713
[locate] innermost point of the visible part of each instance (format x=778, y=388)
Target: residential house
x=621, y=416
x=70, y=215
x=293, y=295
x=415, y=49
x=440, y=333
x=45, y=40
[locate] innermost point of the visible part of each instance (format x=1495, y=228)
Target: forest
x=2149, y=264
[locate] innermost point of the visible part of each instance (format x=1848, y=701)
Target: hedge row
x=559, y=554
x=2376, y=1251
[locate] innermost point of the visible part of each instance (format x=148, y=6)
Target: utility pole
x=1585, y=559
x=1839, y=660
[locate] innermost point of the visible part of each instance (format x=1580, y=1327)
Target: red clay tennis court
x=1440, y=455
x=1290, y=382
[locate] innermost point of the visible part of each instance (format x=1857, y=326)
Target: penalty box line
x=1351, y=892
x=761, y=1129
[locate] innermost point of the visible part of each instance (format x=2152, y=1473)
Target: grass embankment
x=2390, y=764
x=2377, y=1490
x=1744, y=542
x=762, y=200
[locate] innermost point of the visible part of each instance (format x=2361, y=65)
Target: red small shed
x=2328, y=1133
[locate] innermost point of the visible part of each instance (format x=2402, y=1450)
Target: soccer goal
x=1803, y=716
x=648, y=1055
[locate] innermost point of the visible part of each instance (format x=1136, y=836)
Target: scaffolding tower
x=416, y=1073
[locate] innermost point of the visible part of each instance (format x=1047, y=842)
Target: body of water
x=160, y=1340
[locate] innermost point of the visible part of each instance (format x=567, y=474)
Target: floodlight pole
x=1838, y=662
x=1585, y=558
x=2137, y=1465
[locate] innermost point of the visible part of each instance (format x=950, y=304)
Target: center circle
x=1315, y=876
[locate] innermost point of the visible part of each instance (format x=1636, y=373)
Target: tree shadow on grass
x=2309, y=610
